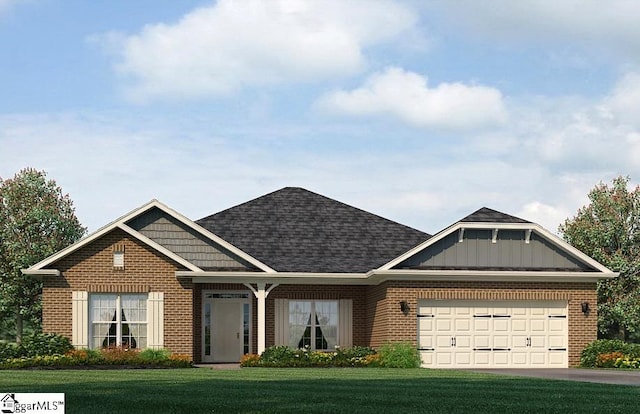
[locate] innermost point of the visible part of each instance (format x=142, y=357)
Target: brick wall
x=385, y=321
x=91, y=269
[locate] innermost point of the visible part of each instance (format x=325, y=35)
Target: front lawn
x=331, y=390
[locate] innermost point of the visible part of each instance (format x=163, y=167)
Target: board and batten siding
x=477, y=250
x=185, y=242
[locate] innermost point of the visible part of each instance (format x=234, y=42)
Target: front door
x=226, y=326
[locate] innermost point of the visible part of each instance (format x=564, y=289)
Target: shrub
x=154, y=355
x=399, y=355
x=590, y=353
x=44, y=344
x=279, y=356
x=9, y=350
x=627, y=362
x=352, y=357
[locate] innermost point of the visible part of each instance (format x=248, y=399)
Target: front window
x=313, y=324
x=118, y=320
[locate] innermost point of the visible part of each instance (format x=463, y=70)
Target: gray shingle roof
x=296, y=230
x=487, y=215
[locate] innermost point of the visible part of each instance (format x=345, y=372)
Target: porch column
x=261, y=294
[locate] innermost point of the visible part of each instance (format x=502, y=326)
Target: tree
x=36, y=220
x=608, y=229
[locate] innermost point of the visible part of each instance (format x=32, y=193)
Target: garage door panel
x=501, y=358
x=519, y=325
x=444, y=325
x=501, y=325
x=463, y=359
x=519, y=359
x=557, y=358
x=537, y=325
x=539, y=359
x=556, y=342
x=482, y=341
x=556, y=325
x=482, y=358
x=443, y=359
x=443, y=341
x=427, y=358
x=462, y=325
x=482, y=324
x=500, y=341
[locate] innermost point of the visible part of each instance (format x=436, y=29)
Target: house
x=296, y=268
x=8, y=403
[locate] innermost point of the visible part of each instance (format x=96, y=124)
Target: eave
x=375, y=277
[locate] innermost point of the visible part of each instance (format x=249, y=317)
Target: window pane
x=103, y=308
x=299, y=323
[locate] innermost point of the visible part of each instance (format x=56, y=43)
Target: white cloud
x=605, y=27
x=231, y=44
x=624, y=101
x=407, y=96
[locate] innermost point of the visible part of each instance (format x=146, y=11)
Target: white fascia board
x=216, y=239
x=379, y=276
x=281, y=278
x=40, y=273
x=158, y=247
x=501, y=226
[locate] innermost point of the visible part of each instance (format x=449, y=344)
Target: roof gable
x=296, y=230
x=488, y=240
x=476, y=249
x=44, y=266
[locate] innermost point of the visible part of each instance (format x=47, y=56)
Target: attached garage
x=486, y=334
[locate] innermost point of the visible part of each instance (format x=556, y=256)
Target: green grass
x=334, y=390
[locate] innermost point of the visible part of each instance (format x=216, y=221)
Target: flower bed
x=391, y=355
x=606, y=353
x=115, y=357
x=55, y=351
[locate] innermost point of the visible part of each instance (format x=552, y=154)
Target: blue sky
x=418, y=111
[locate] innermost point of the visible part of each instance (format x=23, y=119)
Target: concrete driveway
x=603, y=376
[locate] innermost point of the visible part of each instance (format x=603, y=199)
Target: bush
x=154, y=355
x=280, y=356
x=9, y=350
x=589, y=356
x=44, y=344
x=353, y=357
x=399, y=355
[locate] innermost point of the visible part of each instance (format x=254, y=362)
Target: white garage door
x=514, y=334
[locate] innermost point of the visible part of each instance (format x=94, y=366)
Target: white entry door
x=492, y=334
x=226, y=328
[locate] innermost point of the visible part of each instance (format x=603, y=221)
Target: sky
x=419, y=111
